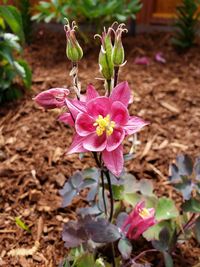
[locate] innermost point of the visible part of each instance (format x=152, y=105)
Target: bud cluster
x=112, y=53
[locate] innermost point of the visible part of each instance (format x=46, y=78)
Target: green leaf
x=166, y=209
x=132, y=199
x=22, y=225
x=125, y=248
x=13, y=18
x=153, y=232
x=20, y=69
x=27, y=78
x=118, y=192
x=86, y=260
x=146, y=187
x=12, y=41
x=191, y=205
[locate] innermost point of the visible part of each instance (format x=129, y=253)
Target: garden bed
x=32, y=143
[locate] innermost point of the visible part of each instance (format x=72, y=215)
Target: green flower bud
x=105, y=56
x=74, y=51
x=118, y=50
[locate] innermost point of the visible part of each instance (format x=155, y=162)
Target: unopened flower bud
x=105, y=55
x=118, y=50
x=74, y=51
x=52, y=98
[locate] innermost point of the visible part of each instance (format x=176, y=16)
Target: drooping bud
x=105, y=55
x=138, y=221
x=118, y=50
x=74, y=51
x=52, y=98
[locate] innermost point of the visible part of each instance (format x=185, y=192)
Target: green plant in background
x=186, y=24
x=94, y=12
x=25, y=7
x=12, y=67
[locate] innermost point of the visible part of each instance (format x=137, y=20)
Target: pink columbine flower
x=101, y=124
x=52, y=98
x=138, y=221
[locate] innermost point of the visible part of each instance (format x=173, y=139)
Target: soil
x=33, y=166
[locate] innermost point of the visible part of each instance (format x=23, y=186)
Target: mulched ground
x=32, y=142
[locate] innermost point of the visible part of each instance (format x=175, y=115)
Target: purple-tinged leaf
x=185, y=188
x=121, y=218
x=102, y=231
x=125, y=248
x=197, y=168
x=92, y=193
x=66, y=188
x=115, y=180
x=93, y=210
x=185, y=165
x=77, y=179
x=164, y=239
x=74, y=234
x=68, y=197
x=174, y=174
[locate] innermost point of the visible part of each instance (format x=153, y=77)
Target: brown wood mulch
x=33, y=166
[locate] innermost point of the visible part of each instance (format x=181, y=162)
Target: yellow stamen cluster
x=104, y=124
x=144, y=213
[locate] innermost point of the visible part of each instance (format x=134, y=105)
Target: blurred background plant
x=186, y=24
x=12, y=67
x=25, y=9
x=93, y=12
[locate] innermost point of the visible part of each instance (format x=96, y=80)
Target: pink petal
x=75, y=107
x=119, y=113
x=66, y=118
x=114, y=160
x=142, y=61
x=52, y=98
x=98, y=106
x=121, y=93
x=77, y=145
x=93, y=142
x=159, y=58
x=134, y=125
x=115, y=139
x=84, y=124
x=91, y=93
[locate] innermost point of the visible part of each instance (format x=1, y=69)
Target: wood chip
x=170, y=107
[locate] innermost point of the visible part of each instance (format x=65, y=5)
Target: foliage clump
x=186, y=24
x=12, y=67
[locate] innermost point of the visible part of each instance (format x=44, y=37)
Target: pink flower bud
x=52, y=98
x=138, y=221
